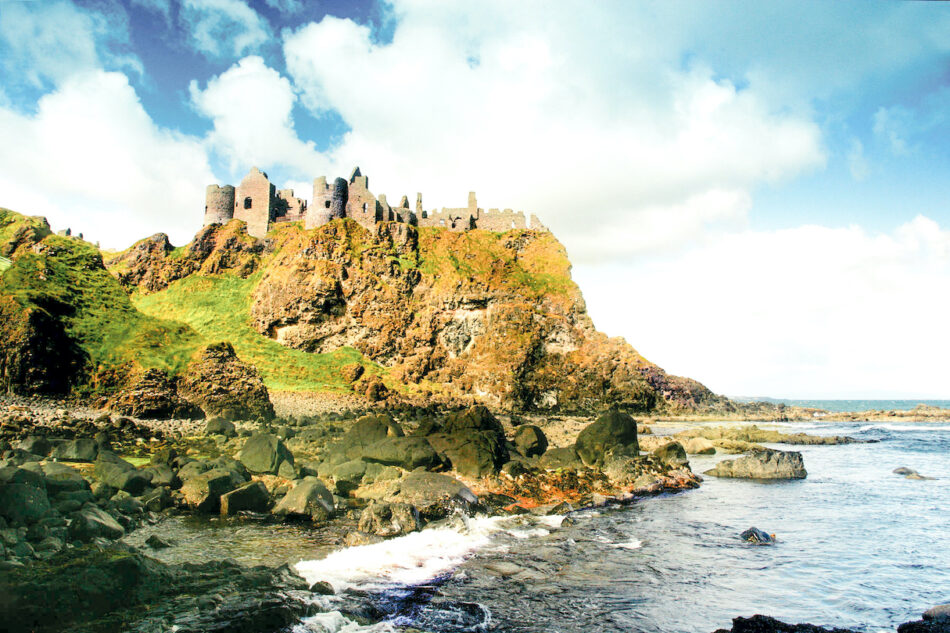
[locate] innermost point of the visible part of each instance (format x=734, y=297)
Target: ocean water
x=857, y=547
x=843, y=406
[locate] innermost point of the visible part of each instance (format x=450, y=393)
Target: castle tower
x=361, y=204
x=254, y=202
x=219, y=204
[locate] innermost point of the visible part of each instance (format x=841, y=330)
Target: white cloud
x=223, y=28
x=803, y=312
x=892, y=125
x=467, y=97
x=251, y=105
x=92, y=159
x=47, y=42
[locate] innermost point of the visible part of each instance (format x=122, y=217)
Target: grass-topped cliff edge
x=470, y=316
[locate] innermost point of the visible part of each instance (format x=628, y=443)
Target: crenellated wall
x=257, y=202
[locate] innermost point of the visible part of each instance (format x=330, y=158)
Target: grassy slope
x=217, y=307
x=66, y=279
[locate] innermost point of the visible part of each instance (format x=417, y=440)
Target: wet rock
x=23, y=503
x=36, y=444
x=114, y=471
x=765, y=624
x=61, y=478
x=757, y=537
x=435, y=496
x=530, y=440
x=764, y=464
x=78, y=450
x=903, y=470
x=263, y=453
x=193, y=469
x=156, y=542
x=406, y=452
x=223, y=385
x=473, y=420
x=672, y=454
x=157, y=499
x=30, y=477
x=219, y=426
x=162, y=475
x=203, y=492
x=565, y=457
x=367, y=430
x=251, y=497
x=389, y=519
x=323, y=588
x=514, y=468
x=613, y=431
x=91, y=522
x=153, y=396
x=127, y=504
x=925, y=626
x=309, y=498
x=473, y=453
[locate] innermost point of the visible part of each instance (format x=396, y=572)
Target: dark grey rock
x=23, y=503
x=530, y=440
x=263, y=453
x=565, y=457
x=251, y=497
x=435, y=496
x=219, y=426
x=672, y=454
x=309, y=498
x=91, y=522
x=612, y=431
x=203, y=492
x=36, y=444
x=757, y=537
x=406, y=452
x=389, y=519
x=78, y=450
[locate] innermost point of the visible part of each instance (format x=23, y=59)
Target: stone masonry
x=261, y=205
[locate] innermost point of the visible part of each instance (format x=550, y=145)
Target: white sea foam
x=336, y=622
x=418, y=557
x=634, y=544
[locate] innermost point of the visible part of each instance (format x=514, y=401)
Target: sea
x=856, y=546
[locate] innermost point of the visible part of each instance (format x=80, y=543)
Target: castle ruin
x=261, y=205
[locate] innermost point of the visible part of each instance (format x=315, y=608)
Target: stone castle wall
x=257, y=202
x=219, y=204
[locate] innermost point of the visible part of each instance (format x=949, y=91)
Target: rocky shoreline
x=75, y=481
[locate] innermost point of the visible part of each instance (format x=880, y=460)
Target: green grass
x=218, y=308
x=67, y=280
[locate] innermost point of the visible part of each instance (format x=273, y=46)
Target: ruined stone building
x=261, y=205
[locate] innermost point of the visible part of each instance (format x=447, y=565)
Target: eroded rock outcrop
x=223, y=385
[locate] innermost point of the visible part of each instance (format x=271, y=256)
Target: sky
x=755, y=195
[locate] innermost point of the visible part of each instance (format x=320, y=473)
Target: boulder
x=203, y=492
x=23, y=503
x=263, y=454
x=223, y=385
x=309, y=498
x=565, y=457
x=764, y=464
x=91, y=522
x=672, y=454
x=193, y=469
x=367, y=430
x=30, y=476
x=406, y=452
x=219, y=426
x=757, y=537
x=153, y=396
x=157, y=499
x=78, y=450
x=472, y=453
x=699, y=446
x=114, y=471
x=941, y=612
x=472, y=420
x=162, y=475
x=251, y=497
x=435, y=496
x=530, y=440
x=36, y=444
x=389, y=519
x=613, y=431
x=62, y=478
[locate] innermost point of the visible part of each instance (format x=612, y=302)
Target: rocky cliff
x=484, y=316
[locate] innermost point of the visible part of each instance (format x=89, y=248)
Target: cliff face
x=493, y=317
